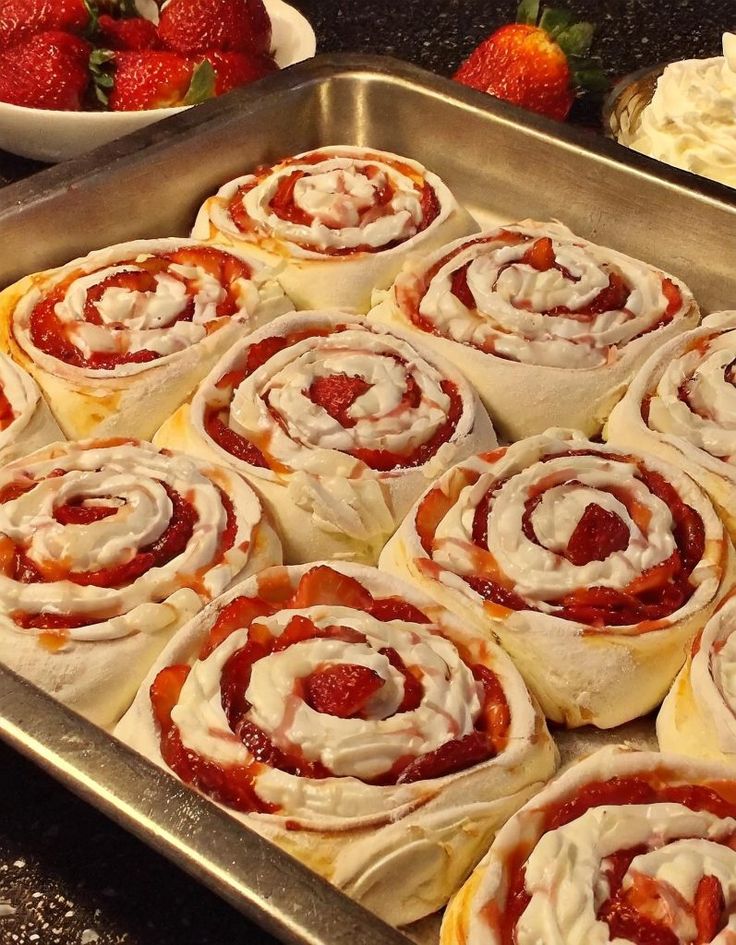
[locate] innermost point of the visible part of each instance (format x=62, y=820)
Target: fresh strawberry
x=342, y=689
x=134, y=81
x=537, y=62
x=233, y=69
x=133, y=34
x=20, y=19
x=46, y=71
x=193, y=26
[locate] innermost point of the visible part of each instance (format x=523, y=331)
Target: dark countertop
x=71, y=876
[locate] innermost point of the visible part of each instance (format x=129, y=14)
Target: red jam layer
x=7, y=414
x=52, y=336
x=335, y=394
x=341, y=690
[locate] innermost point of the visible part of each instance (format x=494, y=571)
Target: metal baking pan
x=503, y=164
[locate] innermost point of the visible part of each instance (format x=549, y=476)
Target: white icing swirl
x=150, y=299
x=341, y=198
x=691, y=120
x=137, y=486
x=534, y=316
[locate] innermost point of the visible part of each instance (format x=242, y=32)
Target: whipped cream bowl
x=683, y=113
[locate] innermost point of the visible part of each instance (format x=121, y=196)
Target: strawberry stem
x=202, y=86
x=528, y=12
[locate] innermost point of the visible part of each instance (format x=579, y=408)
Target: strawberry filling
x=342, y=690
x=636, y=914
x=336, y=394
x=50, y=334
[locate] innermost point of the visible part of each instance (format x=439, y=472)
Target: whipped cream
x=691, y=120
x=22, y=395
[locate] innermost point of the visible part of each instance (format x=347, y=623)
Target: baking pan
x=500, y=162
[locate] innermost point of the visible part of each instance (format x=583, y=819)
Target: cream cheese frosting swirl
x=25, y=420
x=546, y=324
x=332, y=698
x=682, y=406
x=691, y=119
x=624, y=847
x=562, y=539
x=340, y=220
x=346, y=421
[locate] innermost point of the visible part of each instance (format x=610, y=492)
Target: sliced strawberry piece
x=165, y=691
x=239, y=614
x=298, y=628
x=598, y=533
x=336, y=394
x=460, y=288
x=262, y=351
x=323, y=585
x=540, y=255
x=394, y=608
x=709, y=907
x=342, y=690
x=413, y=688
x=453, y=756
x=673, y=296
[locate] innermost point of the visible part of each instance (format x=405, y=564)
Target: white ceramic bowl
x=56, y=136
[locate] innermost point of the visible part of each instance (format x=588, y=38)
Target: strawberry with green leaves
x=196, y=26
x=20, y=19
x=539, y=62
x=49, y=70
x=233, y=69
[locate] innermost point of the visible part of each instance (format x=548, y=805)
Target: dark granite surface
x=67, y=875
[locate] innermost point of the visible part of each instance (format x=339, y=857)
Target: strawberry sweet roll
x=338, y=425
x=682, y=406
x=119, y=339
x=624, y=848
x=595, y=568
x=341, y=221
x=354, y=722
x=106, y=548
x=26, y=423
x=698, y=717
x=546, y=325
